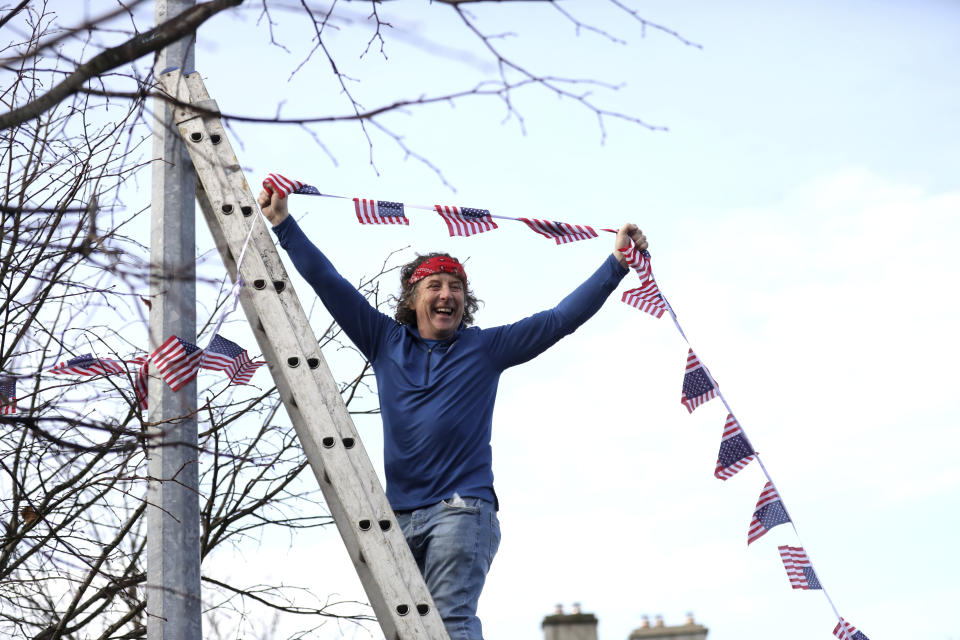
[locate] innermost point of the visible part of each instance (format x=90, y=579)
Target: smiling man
x=432, y=298
x=437, y=378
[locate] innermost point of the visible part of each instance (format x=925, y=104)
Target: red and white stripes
x=561, y=232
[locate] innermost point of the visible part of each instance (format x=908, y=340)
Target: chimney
x=570, y=626
x=659, y=630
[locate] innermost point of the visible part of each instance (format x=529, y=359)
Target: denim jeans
x=454, y=546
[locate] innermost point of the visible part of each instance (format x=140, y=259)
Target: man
x=437, y=379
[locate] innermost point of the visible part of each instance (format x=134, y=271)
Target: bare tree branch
x=67, y=33
x=140, y=45
x=13, y=12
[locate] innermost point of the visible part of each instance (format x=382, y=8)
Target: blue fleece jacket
x=437, y=397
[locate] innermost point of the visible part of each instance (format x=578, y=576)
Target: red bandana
x=439, y=264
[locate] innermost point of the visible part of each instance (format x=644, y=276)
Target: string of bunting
x=179, y=361
x=461, y=221
x=698, y=388
x=736, y=451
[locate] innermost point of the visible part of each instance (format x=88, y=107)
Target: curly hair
x=408, y=293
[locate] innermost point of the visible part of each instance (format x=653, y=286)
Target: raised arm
x=521, y=341
x=362, y=323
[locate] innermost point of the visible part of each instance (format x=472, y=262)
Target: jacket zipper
x=429, y=351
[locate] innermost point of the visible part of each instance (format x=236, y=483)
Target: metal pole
x=173, y=512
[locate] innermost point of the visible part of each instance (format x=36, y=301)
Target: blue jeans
x=454, y=546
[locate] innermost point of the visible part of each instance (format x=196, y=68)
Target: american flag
x=464, y=221
x=646, y=298
x=638, y=260
x=851, y=631
x=177, y=361
x=140, y=382
x=285, y=186
x=229, y=357
x=8, y=396
x=736, y=452
x=768, y=513
x=698, y=386
x=379, y=212
x=562, y=232
x=798, y=567
x=88, y=365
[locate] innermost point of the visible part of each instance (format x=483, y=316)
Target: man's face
x=438, y=302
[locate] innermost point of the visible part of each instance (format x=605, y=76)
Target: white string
x=235, y=290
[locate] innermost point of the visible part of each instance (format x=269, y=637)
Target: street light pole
x=173, y=510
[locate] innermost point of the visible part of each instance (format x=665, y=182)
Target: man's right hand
x=273, y=205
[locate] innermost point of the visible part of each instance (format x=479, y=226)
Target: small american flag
x=851, y=631
x=698, y=385
x=464, y=221
x=562, y=232
x=768, y=513
x=798, y=567
x=736, y=452
x=229, y=357
x=646, y=298
x=88, y=365
x=379, y=212
x=285, y=186
x=638, y=260
x=140, y=382
x=8, y=396
x=177, y=361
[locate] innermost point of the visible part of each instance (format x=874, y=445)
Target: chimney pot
x=690, y=618
x=558, y=610
x=644, y=622
x=576, y=625
x=659, y=621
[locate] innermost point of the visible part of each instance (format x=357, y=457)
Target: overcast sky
x=802, y=210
